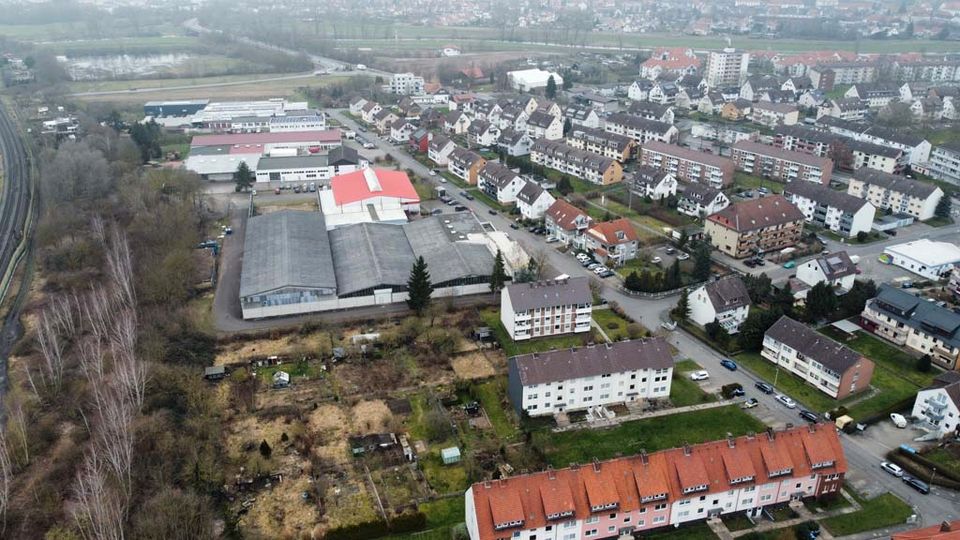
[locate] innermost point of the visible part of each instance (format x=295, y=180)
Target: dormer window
x=694, y=489
x=821, y=464
x=780, y=472
x=558, y=515
x=602, y=507
x=741, y=480
x=507, y=525
x=657, y=497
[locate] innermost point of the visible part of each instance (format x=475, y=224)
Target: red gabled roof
x=330, y=135
x=367, y=183
x=607, y=231
x=948, y=530
x=565, y=214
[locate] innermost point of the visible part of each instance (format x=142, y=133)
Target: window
x=592, y=519
x=613, y=516
x=661, y=506
x=659, y=519
x=591, y=532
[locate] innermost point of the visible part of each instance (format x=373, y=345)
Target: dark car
x=916, y=484
x=809, y=416
x=764, y=387
x=729, y=364
x=460, y=208
x=514, y=226
x=492, y=212
x=750, y=263
x=468, y=197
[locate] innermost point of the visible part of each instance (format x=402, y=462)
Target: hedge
x=921, y=467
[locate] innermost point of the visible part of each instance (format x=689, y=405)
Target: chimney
x=487, y=484
x=502, y=482
x=946, y=526
x=812, y=428
x=575, y=466
x=789, y=426
x=687, y=450
x=643, y=456
x=731, y=442
x=751, y=435
x=771, y=434
x=551, y=474
x=596, y=465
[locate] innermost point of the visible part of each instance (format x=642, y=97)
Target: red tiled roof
x=363, y=184
x=607, y=231
x=757, y=214
x=626, y=480
x=330, y=135
x=564, y=214
x=737, y=463
x=948, y=530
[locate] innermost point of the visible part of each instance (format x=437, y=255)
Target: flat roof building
x=925, y=257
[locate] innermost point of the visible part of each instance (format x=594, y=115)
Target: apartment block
x=575, y=162
x=898, y=194
x=641, y=129
x=832, y=368
x=580, y=378
x=755, y=226
x=546, y=308
x=598, y=141
x=779, y=164
x=727, y=67
x=939, y=406
x=689, y=165
x=944, y=162
x=837, y=211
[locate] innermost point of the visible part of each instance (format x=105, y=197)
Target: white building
x=531, y=79
x=406, y=84
x=533, y=201
x=924, y=257
x=567, y=223
x=725, y=301
x=543, y=125
x=546, y=308
x=901, y=195
x=837, y=211
x=310, y=168
x=653, y=183
x=701, y=200
x=939, y=407
x=368, y=196
x=439, y=149
x=641, y=129
x=499, y=183
x=915, y=324
x=573, y=379
x=945, y=163
x=726, y=68
x=835, y=269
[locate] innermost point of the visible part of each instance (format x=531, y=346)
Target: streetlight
x=933, y=475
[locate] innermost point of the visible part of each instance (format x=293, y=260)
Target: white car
x=892, y=468
x=443, y=180
x=682, y=256
x=670, y=326
x=433, y=173
x=582, y=257
x=786, y=401
x=600, y=269
x=701, y=375
x=656, y=260
x=552, y=239
x=898, y=420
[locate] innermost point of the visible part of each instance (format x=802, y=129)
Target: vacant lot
x=236, y=87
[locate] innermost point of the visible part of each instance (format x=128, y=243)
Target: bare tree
x=47, y=376
x=129, y=370
x=6, y=478
x=98, y=511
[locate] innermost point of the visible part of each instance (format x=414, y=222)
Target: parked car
x=898, y=420
x=582, y=257
x=682, y=256
x=729, y=364
x=759, y=261
x=552, y=239
x=701, y=375
x=669, y=326
x=786, y=401
x=514, y=226
x=592, y=265
x=656, y=260
x=670, y=250
x=469, y=197
x=750, y=403
x=732, y=390
x=809, y=416
x=433, y=172
x=606, y=273
x=916, y=484
x=790, y=264
x=892, y=468
x=764, y=387
x=459, y=208
x=492, y=212
x=750, y=263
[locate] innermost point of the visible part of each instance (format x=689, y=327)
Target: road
x=14, y=208
x=864, y=452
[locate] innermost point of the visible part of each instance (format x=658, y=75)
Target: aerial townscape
x=415, y=270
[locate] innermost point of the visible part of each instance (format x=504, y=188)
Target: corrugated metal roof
x=286, y=249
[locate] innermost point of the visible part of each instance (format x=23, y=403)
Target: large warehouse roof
x=286, y=249
x=370, y=255
x=330, y=135
x=446, y=260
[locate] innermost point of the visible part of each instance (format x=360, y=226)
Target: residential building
x=688, y=165
x=640, y=129
x=456, y=122
x=613, y=242
x=618, y=147
x=837, y=211
x=835, y=269
x=578, y=163
x=825, y=144
x=755, y=226
x=663, y=92
x=515, y=143
x=925, y=257
x=946, y=530
x=368, y=110
x=727, y=67
x=401, y=130
x=578, y=378
x=439, y=150
x=935, y=71
x=736, y=110
x=643, y=492
x=913, y=323
x=406, y=84
x=944, y=162
x=567, y=223
x=826, y=76
x=640, y=90
x=534, y=201
x=701, y=200
x=850, y=108
x=899, y=194
x=953, y=286
x=917, y=148
x=652, y=111
x=543, y=125
x=725, y=301
x=673, y=62
x=654, y=183
x=772, y=114
x=752, y=87
x=582, y=116
x=499, y=183
x=832, y=368
x=779, y=164
x=875, y=95
x=546, y=308
x=938, y=407
x=466, y=165
x=532, y=79
x=482, y=133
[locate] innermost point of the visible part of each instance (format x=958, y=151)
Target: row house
x=899, y=194
x=644, y=492
x=482, y=133
x=725, y=301
x=581, y=116
x=613, y=242
x=578, y=378
x=598, y=141
x=578, y=163
x=641, y=129
x=779, y=164
x=826, y=76
x=935, y=71
x=689, y=165
x=912, y=323
x=543, y=125
x=466, y=165
x=499, y=183
x=875, y=95
x=534, y=201
x=652, y=111
x=439, y=149
x=567, y=223
x=832, y=368
x=938, y=407
x=824, y=144
x=546, y=308
x=514, y=143
x=849, y=108
x=834, y=210
x=701, y=200
x=654, y=183
x=755, y=227
x=773, y=114
x=915, y=147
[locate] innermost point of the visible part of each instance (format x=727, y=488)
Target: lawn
x=737, y=522
x=946, y=459
x=882, y=511
x=492, y=396
x=787, y=383
x=939, y=221
x=443, y=478
x=491, y=317
x=697, y=531
x=749, y=182
x=424, y=190
x=683, y=391
x=614, y=325
x=582, y=445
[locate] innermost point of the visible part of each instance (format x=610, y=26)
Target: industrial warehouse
x=293, y=265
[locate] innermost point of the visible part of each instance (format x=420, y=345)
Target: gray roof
x=825, y=196
x=291, y=162
x=728, y=293
x=530, y=192
x=592, y=360
x=541, y=119
x=837, y=265
x=700, y=193
x=814, y=345
x=648, y=175
x=912, y=188
x=498, y=174
x=286, y=249
x=639, y=123
x=542, y=294
x=918, y=313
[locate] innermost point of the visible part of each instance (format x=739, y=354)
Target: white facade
x=932, y=260
x=811, y=273
x=544, y=321
x=664, y=188
x=600, y=390
x=537, y=208
x=945, y=164
x=938, y=410
x=834, y=218
x=531, y=79
x=551, y=132
x=703, y=312
x=440, y=154
x=726, y=68
x=922, y=208
x=406, y=84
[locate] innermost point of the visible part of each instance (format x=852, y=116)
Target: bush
x=923, y=364
x=612, y=326
x=862, y=236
